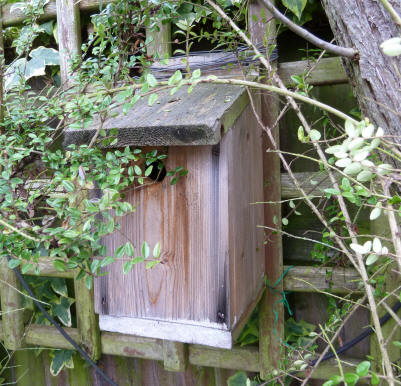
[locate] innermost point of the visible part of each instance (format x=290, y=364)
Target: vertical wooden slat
x=69, y=34
x=11, y=307
x=271, y=314
x=161, y=40
x=175, y=356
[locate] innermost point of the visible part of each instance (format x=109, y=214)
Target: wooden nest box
x=213, y=262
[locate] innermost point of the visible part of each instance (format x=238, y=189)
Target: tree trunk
x=375, y=78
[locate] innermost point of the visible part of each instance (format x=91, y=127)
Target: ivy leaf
x=68, y=185
x=61, y=359
x=61, y=310
x=59, y=286
x=295, y=6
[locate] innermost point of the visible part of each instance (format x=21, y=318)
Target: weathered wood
x=331, y=279
x=29, y=369
x=175, y=356
x=212, y=254
x=237, y=358
x=320, y=182
x=131, y=346
x=364, y=25
x=50, y=11
x=49, y=336
x=69, y=36
x=326, y=71
x=160, y=44
x=271, y=330
x=87, y=320
x=46, y=268
x=182, y=119
x=11, y=307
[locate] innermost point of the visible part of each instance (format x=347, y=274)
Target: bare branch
x=303, y=33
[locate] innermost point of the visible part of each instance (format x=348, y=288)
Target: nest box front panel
x=188, y=219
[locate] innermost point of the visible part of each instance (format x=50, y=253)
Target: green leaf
x=156, y=251
x=145, y=250
x=363, y=368
x=151, y=80
x=371, y=259
x=61, y=359
x=315, y=135
x=351, y=379
x=152, y=98
x=61, y=310
x=151, y=264
x=238, y=379
x=106, y=261
x=26, y=268
x=89, y=281
x=148, y=171
x=14, y=263
x=295, y=6
x=59, y=265
x=336, y=379
x=301, y=134
x=129, y=249
x=68, y=185
x=196, y=74
x=177, y=76
x=396, y=342
x=128, y=266
x=375, y=379
x=59, y=286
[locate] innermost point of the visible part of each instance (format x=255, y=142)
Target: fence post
x=271, y=315
x=69, y=35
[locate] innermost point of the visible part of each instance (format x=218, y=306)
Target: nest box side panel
x=189, y=285
x=241, y=148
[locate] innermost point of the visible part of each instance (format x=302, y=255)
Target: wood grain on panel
x=241, y=150
x=187, y=219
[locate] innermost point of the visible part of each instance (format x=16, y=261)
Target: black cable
x=61, y=330
x=360, y=337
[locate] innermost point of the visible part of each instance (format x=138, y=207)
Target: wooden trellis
x=176, y=355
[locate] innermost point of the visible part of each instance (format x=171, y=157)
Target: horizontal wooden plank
x=332, y=279
x=50, y=11
x=320, y=181
x=46, y=268
x=131, y=346
x=48, y=336
x=238, y=358
x=327, y=71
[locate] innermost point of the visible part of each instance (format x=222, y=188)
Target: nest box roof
x=197, y=118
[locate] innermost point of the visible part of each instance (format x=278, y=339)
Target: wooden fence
x=299, y=279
